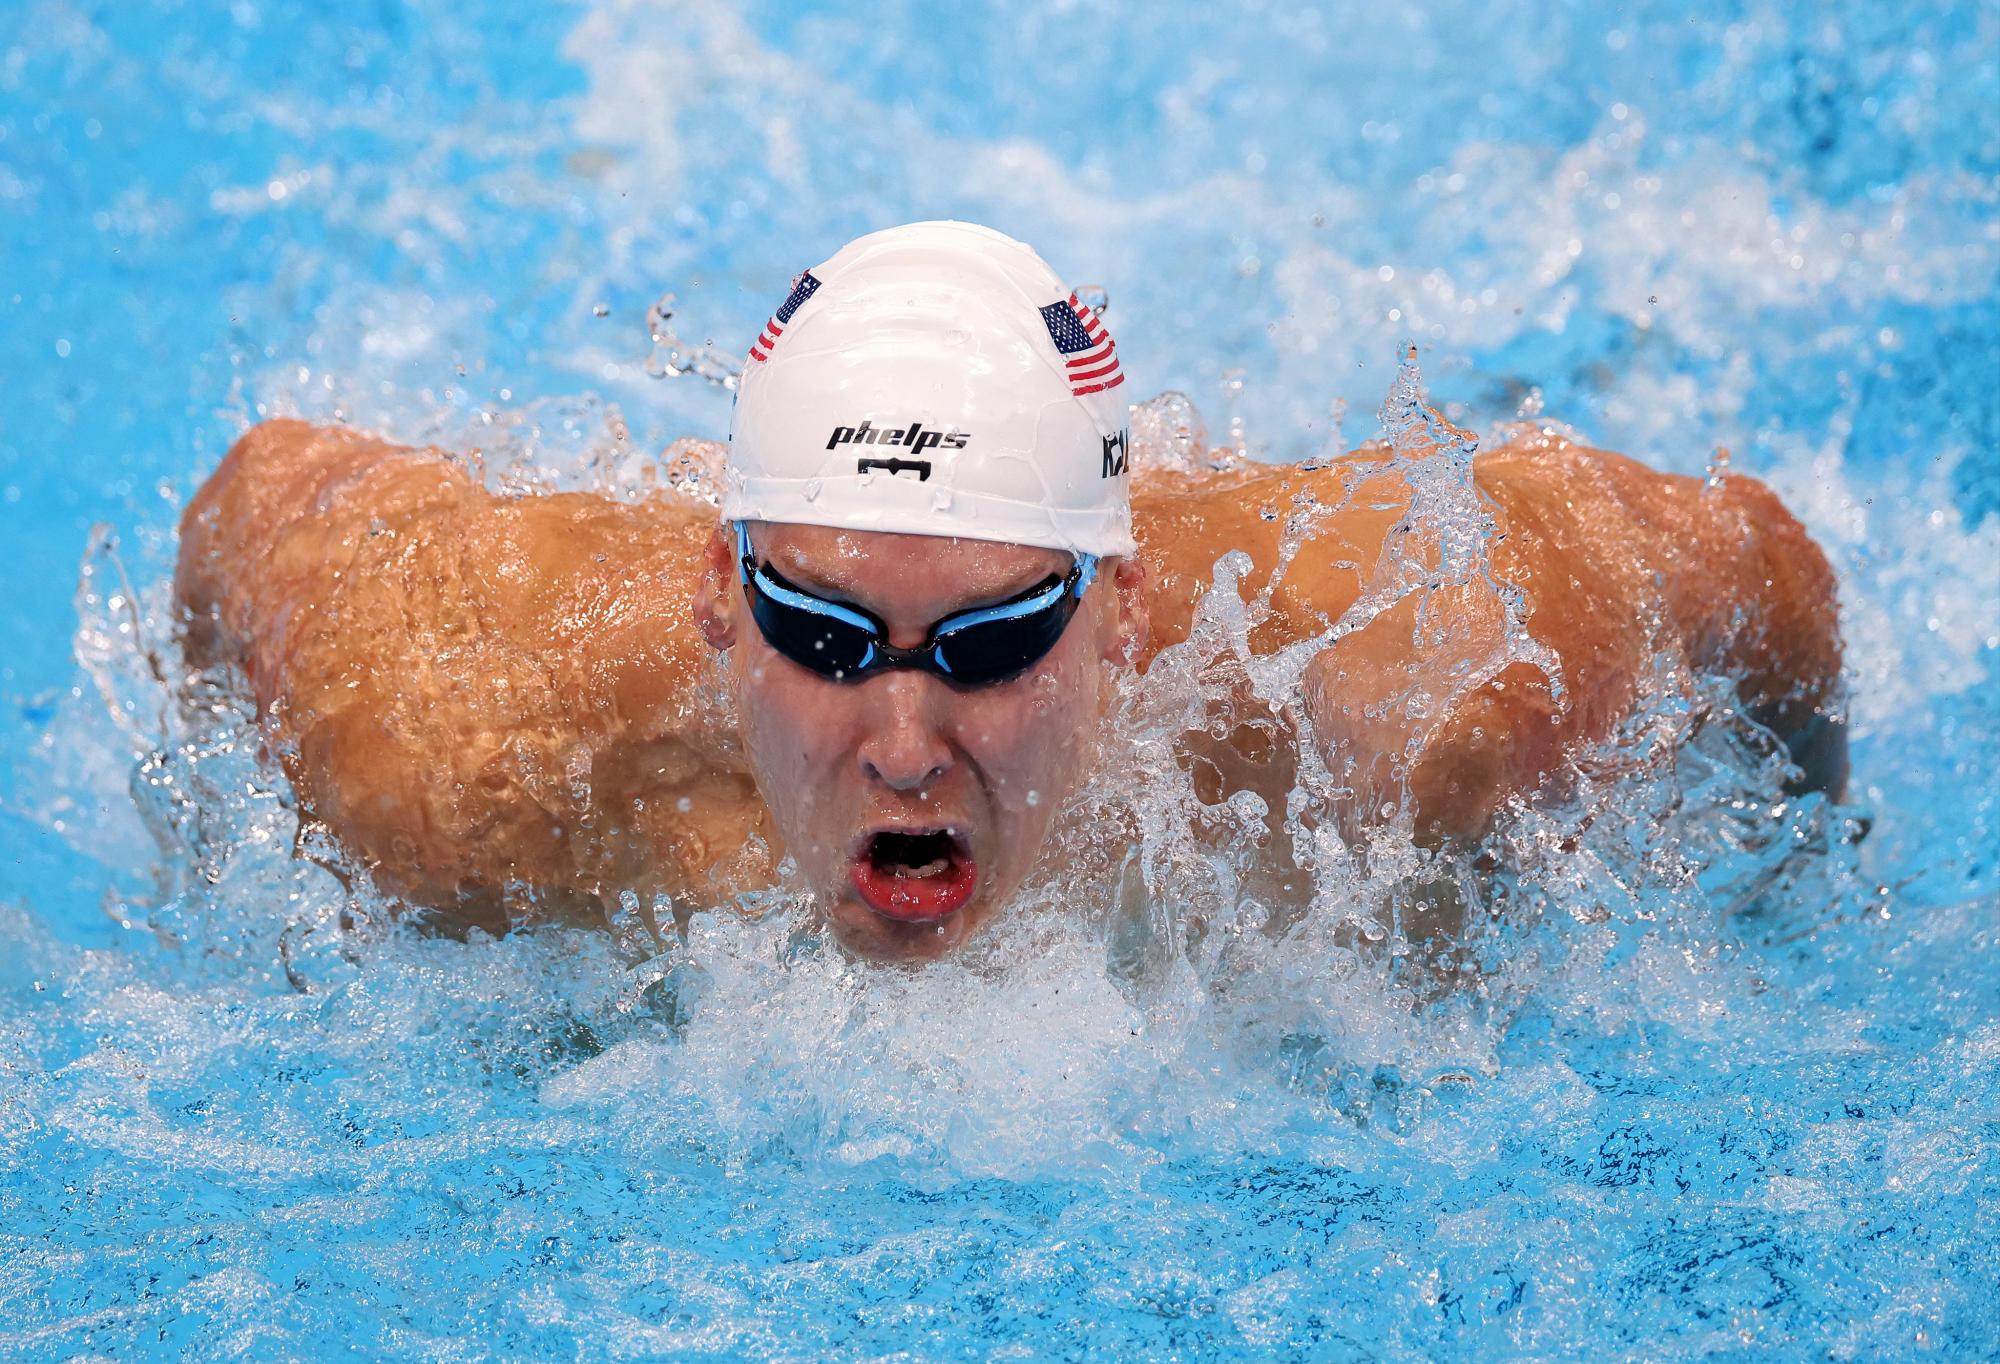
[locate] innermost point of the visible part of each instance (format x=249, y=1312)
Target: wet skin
x=904, y=750
x=509, y=705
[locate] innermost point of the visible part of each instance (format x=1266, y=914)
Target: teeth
x=891, y=850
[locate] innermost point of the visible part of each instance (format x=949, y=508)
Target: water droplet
x=1168, y=431
x=672, y=357
x=1233, y=381
x=1718, y=467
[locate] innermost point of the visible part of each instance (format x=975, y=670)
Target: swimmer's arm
x=1619, y=564
x=483, y=698
x=278, y=519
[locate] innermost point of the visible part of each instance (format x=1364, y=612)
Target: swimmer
x=933, y=566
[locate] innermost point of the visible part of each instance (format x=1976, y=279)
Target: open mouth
x=916, y=875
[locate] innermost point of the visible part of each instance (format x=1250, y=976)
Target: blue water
x=1722, y=1096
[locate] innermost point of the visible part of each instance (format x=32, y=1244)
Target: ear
x=1126, y=643
x=715, y=601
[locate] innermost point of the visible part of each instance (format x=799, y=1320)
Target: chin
x=877, y=937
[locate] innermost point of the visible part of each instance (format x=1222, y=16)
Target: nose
x=905, y=748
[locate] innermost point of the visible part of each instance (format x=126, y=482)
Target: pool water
x=1724, y=1072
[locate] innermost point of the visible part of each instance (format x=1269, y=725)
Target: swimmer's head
x=925, y=576
x=935, y=379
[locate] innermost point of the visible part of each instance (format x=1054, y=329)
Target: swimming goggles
x=975, y=648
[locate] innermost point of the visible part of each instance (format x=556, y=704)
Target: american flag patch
x=1087, y=347
x=803, y=288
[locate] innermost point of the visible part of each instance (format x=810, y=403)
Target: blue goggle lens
x=974, y=648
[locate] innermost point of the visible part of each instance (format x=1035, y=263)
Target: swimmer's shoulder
x=1338, y=510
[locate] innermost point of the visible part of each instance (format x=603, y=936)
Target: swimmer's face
x=915, y=807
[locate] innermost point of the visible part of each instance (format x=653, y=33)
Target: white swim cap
x=937, y=379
